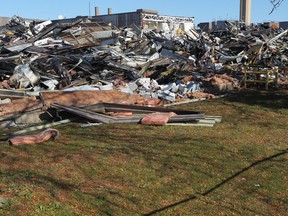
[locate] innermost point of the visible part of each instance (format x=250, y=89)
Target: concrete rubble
x=40, y=61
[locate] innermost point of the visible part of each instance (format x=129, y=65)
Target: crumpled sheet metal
x=35, y=138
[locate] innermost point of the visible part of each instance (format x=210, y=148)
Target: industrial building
x=220, y=25
x=214, y=25
x=146, y=19
x=142, y=18
x=4, y=20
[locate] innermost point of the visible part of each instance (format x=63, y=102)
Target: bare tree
x=275, y=4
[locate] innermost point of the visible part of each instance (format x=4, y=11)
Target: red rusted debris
x=188, y=79
x=224, y=83
x=4, y=84
x=157, y=118
x=35, y=138
x=199, y=95
x=152, y=102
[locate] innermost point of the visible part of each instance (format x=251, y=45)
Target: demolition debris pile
x=82, y=55
x=87, y=55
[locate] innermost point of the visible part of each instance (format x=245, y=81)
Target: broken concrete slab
x=34, y=117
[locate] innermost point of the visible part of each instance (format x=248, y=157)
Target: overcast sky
x=202, y=10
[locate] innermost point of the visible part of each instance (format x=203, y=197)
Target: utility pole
x=89, y=9
x=245, y=12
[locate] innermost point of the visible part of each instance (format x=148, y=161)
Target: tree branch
x=276, y=4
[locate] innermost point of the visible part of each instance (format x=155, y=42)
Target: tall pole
x=89, y=10
x=245, y=11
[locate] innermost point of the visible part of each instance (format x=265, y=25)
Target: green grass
x=136, y=169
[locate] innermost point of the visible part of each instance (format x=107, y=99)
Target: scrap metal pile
x=36, y=57
x=88, y=55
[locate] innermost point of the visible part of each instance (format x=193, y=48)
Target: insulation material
x=20, y=105
x=86, y=98
x=35, y=138
x=157, y=118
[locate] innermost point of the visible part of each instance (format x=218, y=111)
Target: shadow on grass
x=266, y=99
x=32, y=177
x=218, y=185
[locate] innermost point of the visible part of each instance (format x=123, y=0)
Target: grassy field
x=238, y=167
